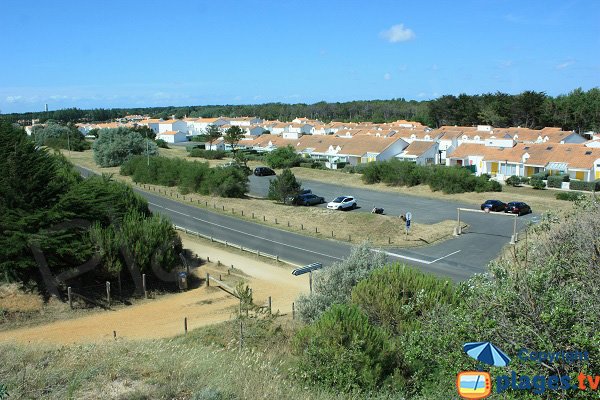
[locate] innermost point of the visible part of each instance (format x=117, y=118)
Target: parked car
x=342, y=203
x=493, y=205
x=263, y=171
x=518, y=207
x=309, y=199
x=294, y=200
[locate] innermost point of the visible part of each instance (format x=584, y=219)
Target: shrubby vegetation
x=189, y=176
x=515, y=180
x=587, y=186
x=207, y=154
x=284, y=186
x=115, y=146
x=446, y=179
x=555, y=181
x=59, y=136
x=334, y=283
x=569, y=196
x=43, y=201
x=283, y=157
x=540, y=297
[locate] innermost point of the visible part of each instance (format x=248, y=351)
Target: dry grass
x=184, y=367
x=14, y=299
x=380, y=230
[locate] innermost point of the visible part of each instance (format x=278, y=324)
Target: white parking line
x=415, y=259
x=245, y=233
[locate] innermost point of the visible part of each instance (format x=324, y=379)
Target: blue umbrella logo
x=487, y=353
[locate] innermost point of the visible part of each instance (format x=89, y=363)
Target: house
x=244, y=121
x=421, y=152
x=172, y=136
x=150, y=123
x=172, y=125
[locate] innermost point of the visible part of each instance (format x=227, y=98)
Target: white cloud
x=398, y=33
x=387, y=76
x=13, y=99
x=566, y=64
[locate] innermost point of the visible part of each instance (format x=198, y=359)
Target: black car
x=309, y=199
x=493, y=205
x=263, y=171
x=518, y=207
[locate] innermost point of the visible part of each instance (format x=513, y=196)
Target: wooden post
x=251, y=295
x=206, y=204
x=241, y=334
x=207, y=259
x=220, y=277
x=316, y=230
x=185, y=325
x=108, y=293
x=269, y=304
x=288, y=224
x=331, y=233
x=293, y=310
x=242, y=213
x=232, y=210
x=144, y=286
x=301, y=227
x=207, y=279
x=70, y=297
x=264, y=218
x=115, y=335
x=389, y=240
x=223, y=208
x=275, y=221
x=252, y=215
x=349, y=238
x=310, y=281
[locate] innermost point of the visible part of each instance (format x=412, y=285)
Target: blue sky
x=110, y=53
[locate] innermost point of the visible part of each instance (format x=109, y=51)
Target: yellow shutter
x=494, y=168
x=579, y=175
x=598, y=174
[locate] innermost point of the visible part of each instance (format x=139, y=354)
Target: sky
x=129, y=53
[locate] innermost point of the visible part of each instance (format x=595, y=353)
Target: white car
x=342, y=203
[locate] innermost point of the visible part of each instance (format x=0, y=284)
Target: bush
x=513, y=180
x=349, y=169
x=343, y=351
x=555, y=181
x=537, y=183
x=395, y=296
x=189, y=176
x=588, y=186
x=115, y=146
x=484, y=184
x=306, y=165
x=334, y=283
x=569, y=196
x=207, y=154
x=283, y=157
x=283, y=186
x=162, y=144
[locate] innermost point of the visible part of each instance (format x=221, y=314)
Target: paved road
x=458, y=258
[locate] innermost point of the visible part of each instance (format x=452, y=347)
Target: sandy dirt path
x=164, y=317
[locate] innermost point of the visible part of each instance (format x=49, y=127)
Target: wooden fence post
x=269, y=304
x=108, y=293
x=144, y=286
x=207, y=279
x=70, y=297
x=293, y=311
x=185, y=325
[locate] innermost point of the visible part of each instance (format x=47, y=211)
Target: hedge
x=588, y=186
x=207, y=154
x=570, y=196
x=555, y=181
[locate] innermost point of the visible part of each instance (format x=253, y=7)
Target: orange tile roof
x=169, y=133
x=418, y=147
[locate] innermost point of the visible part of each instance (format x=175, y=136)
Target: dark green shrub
x=395, y=296
x=283, y=186
x=306, y=165
x=484, y=184
x=283, y=157
x=587, y=186
x=513, y=180
x=349, y=169
x=569, y=196
x=343, y=351
x=207, y=154
x=555, y=181
x=372, y=172
x=162, y=144
x=537, y=183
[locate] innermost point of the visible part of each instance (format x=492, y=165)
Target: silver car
x=342, y=203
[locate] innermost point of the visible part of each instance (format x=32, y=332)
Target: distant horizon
x=133, y=54
x=50, y=109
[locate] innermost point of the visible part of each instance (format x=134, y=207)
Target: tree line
x=578, y=110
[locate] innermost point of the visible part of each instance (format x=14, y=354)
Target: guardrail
x=229, y=244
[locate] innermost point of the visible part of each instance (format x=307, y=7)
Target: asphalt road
x=457, y=258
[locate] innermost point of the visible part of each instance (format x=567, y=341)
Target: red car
x=518, y=207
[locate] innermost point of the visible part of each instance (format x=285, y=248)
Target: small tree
x=232, y=137
x=212, y=133
x=115, y=146
x=283, y=157
x=284, y=186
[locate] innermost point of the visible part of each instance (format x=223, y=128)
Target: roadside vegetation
x=59, y=136
x=372, y=330
x=449, y=180
x=52, y=220
x=115, y=146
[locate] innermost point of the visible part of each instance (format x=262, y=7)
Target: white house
x=420, y=152
x=172, y=125
x=172, y=136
